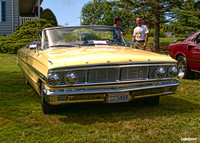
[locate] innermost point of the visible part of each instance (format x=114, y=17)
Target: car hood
x=100, y=55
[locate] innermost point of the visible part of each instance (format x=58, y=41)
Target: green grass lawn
x=22, y=120
x=164, y=41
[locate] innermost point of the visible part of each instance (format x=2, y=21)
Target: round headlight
x=160, y=72
x=54, y=79
x=173, y=71
x=71, y=78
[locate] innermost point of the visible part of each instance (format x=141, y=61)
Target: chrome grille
x=134, y=73
x=82, y=76
x=103, y=75
x=112, y=74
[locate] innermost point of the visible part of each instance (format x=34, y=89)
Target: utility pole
x=80, y=20
x=38, y=8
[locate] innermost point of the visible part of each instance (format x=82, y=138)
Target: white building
x=15, y=12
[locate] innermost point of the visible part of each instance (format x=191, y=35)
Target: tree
x=187, y=18
x=153, y=11
x=49, y=16
x=92, y=12
x=24, y=34
x=102, y=12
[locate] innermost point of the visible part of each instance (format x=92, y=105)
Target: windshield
x=82, y=36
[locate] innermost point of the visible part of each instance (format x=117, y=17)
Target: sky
x=67, y=12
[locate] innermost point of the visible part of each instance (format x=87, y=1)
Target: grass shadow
x=90, y=113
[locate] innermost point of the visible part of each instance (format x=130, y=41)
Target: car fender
x=180, y=54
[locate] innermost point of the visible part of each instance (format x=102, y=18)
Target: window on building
x=2, y=11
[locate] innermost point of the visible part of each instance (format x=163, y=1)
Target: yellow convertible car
x=94, y=64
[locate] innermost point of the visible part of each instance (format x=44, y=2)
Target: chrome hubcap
x=181, y=67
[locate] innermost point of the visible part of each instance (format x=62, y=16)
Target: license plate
x=118, y=97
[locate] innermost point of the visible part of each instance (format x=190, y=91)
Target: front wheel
x=46, y=107
x=184, y=69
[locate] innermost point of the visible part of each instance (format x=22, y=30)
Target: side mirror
x=131, y=43
x=192, y=44
x=34, y=45
x=31, y=46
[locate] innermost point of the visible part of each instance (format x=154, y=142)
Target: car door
x=32, y=58
x=23, y=56
x=195, y=55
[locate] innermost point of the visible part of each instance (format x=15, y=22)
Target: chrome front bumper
x=99, y=93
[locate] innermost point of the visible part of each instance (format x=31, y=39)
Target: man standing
x=117, y=23
x=140, y=35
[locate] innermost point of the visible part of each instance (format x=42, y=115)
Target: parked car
x=94, y=64
x=187, y=53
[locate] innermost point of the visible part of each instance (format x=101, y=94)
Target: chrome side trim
x=38, y=73
x=34, y=70
x=193, y=60
x=195, y=71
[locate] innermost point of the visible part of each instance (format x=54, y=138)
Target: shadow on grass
x=196, y=76
x=89, y=113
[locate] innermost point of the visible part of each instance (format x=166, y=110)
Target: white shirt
x=139, y=32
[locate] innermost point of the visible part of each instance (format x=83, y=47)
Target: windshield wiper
x=64, y=45
x=113, y=44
